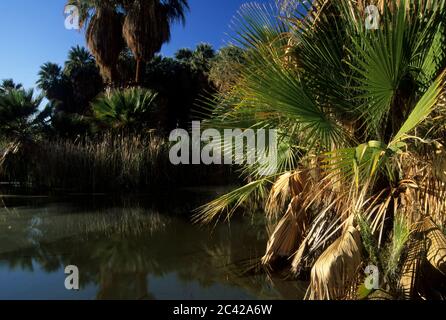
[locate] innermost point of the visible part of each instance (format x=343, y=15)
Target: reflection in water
x=129, y=252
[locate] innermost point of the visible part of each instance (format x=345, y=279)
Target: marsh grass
x=108, y=163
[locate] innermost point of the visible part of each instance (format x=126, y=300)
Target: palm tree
x=130, y=109
x=147, y=27
x=78, y=58
x=21, y=123
x=225, y=68
x=202, y=57
x=199, y=59
x=74, y=86
x=52, y=81
x=102, y=20
x=8, y=85
x=19, y=114
x=184, y=54
x=360, y=119
x=82, y=72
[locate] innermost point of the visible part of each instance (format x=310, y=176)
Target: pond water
x=130, y=249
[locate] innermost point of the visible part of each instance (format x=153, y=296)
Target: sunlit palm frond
x=336, y=269
x=228, y=204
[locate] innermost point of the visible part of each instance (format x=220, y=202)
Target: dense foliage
x=360, y=119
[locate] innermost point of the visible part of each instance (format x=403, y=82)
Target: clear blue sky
x=32, y=32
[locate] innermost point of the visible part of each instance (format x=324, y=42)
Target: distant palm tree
x=102, y=20
x=78, y=58
x=147, y=27
x=198, y=59
x=73, y=86
x=9, y=84
x=50, y=79
x=184, y=54
x=84, y=76
x=20, y=117
x=202, y=57
x=226, y=67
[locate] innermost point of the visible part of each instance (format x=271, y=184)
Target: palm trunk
x=139, y=71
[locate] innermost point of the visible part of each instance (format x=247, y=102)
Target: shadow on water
x=129, y=248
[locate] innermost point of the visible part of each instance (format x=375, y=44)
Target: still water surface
x=129, y=250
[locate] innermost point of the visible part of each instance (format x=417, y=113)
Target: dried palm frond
x=428, y=245
x=288, y=234
x=411, y=266
x=146, y=28
x=287, y=186
x=278, y=195
x=11, y=149
x=336, y=269
x=299, y=255
x=439, y=163
x=376, y=212
x=324, y=226
x=104, y=39
x=435, y=245
x=424, y=190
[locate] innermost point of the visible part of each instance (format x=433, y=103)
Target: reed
x=107, y=163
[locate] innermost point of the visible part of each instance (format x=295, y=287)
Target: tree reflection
x=119, y=250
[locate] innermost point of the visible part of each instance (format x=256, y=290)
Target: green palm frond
x=19, y=114
x=257, y=24
x=423, y=108
x=230, y=202
x=388, y=61
x=125, y=109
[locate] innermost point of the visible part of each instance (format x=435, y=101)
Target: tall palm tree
x=360, y=117
x=102, y=20
x=147, y=27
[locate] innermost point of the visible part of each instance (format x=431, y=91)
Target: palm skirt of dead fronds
x=427, y=251
x=288, y=233
x=104, y=39
x=336, y=269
